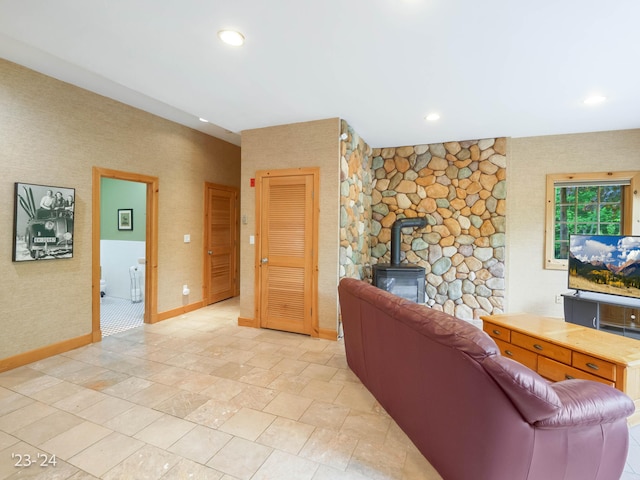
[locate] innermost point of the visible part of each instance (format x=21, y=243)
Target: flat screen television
x=605, y=264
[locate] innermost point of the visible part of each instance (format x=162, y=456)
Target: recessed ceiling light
x=594, y=99
x=231, y=37
x=203, y=120
x=432, y=117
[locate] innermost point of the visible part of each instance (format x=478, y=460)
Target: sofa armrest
x=585, y=402
x=529, y=392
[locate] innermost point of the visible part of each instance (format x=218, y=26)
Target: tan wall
x=309, y=144
x=53, y=133
x=531, y=288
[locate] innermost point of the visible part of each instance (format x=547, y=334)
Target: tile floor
x=199, y=397
x=119, y=314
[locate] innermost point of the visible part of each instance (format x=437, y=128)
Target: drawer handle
x=509, y=352
x=593, y=366
x=537, y=347
x=569, y=377
x=496, y=332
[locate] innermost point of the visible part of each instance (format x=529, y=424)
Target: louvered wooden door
x=220, y=243
x=286, y=282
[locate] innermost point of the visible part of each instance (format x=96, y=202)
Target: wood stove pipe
x=396, y=228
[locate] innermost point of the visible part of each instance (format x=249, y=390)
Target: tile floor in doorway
x=119, y=314
x=198, y=397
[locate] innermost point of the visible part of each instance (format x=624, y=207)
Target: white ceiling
x=489, y=68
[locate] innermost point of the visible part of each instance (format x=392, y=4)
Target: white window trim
x=631, y=213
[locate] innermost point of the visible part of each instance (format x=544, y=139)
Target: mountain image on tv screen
x=605, y=264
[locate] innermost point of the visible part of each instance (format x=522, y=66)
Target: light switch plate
x=187, y=238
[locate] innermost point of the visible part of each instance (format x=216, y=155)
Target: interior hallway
x=198, y=395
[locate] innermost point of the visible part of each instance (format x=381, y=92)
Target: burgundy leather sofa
x=471, y=412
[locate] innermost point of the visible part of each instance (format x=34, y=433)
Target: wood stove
x=405, y=280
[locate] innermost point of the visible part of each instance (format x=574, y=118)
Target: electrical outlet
x=558, y=299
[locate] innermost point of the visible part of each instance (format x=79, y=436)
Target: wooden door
x=221, y=231
x=286, y=261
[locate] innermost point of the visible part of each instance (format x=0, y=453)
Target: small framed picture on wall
x=125, y=219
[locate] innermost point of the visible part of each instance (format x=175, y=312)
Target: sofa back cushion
x=438, y=326
x=447, y=330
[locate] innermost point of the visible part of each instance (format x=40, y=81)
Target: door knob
x=264, y=260
x=210, y=252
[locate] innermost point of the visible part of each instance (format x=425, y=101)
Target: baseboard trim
x=248, y=322
x=31, y=356
x=328, y=334
x=177, y=311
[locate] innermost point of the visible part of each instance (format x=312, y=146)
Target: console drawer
x=541, y=347
x=497, y=331
x=557, y=371
x=518, y=354
x=595, y=366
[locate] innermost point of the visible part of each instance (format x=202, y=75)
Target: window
x=591, y=203
x=585, y=209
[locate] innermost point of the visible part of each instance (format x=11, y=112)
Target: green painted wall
x=115, y=194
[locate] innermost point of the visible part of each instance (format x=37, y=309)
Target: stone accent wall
x=460, y=187
x=355, y=205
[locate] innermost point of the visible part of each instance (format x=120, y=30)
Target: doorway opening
x=122, y=254
x=124, y=259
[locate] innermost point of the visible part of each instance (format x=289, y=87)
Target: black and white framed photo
x=125, y=219
x=43, y=222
